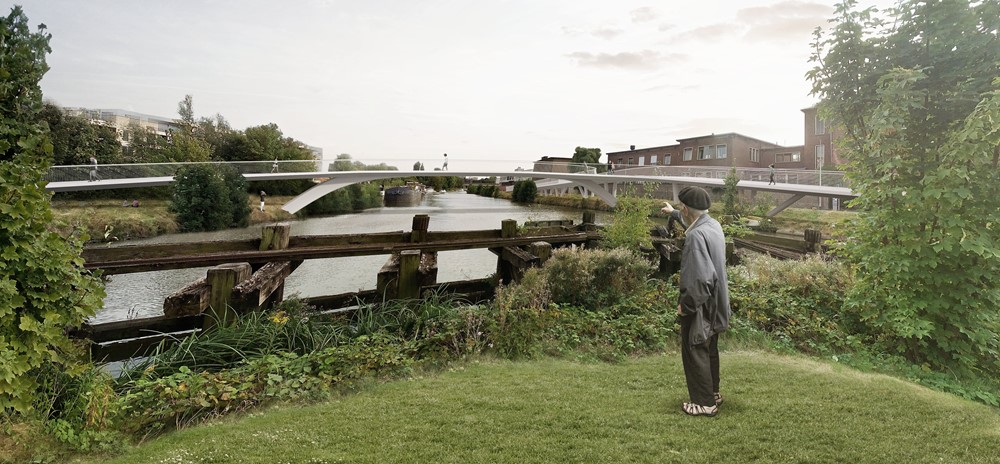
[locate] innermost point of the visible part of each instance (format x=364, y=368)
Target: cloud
x=644, y=60
x=606, y=32
x=644, y=14
x=709, y=33
x=789, y=19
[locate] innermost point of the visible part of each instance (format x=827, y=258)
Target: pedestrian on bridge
x=93, y=170
x=445, y=167
x=771, y=182
x=263, y=195
x=274, y=166
x=703, y=308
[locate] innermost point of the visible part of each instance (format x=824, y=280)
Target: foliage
x=525, y=191
x=631, y=225
x=483, y=190
x=209, y=198
x=595, y=279
x=79, y=410
x=353, y=198
x=43, y=287
x=345, y=163
x=797, y=302
x=731, y=205
x=187, y=396
x=75, y=139
x=587, y=155
x=919, y=104
x=522, y=313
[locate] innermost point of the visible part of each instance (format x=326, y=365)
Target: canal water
x=142, y=294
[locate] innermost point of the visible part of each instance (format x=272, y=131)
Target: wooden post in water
x=508, y=228
x=275, y=237
x=420, y=223
x=409, y=280
x=222, y=279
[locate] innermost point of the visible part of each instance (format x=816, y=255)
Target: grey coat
x=704, y=286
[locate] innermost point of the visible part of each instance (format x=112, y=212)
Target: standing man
x=263, y=195
x=93, y=170
x=771, y=182
x=445, y=167
x=704, y=300
x=274, y=165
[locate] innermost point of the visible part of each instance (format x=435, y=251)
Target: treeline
x=75, y=139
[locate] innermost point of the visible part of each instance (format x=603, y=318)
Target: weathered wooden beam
x=222, y=279
x=190, y=300
x=475, y=290
x=550, y=223
x=254, y=292
x=134, y=328
x=126, y=264
x=120, y=350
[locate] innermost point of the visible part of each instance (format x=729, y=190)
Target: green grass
x=778, y=409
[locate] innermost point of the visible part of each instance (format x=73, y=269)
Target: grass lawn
x=778, y=409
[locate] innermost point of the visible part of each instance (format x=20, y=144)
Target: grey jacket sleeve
x=698, y=277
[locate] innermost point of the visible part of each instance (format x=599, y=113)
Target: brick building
x=733, y=149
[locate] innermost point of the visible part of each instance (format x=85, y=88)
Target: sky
x=493, y=83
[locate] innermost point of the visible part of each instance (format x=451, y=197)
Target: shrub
x=631, y=225
x=209, y=198
x=594, y=279
x=525, y=191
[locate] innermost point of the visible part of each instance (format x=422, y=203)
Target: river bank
x=112, y=221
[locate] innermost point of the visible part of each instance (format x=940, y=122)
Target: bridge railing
x=781, y=176
x=70, y=173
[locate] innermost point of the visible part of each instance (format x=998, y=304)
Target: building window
x=755, y=155
x=666, y=159
x=652, y=160
x=630, y=161
x=820, y=156
x=787, y=157
x=687, y=154
x=706, y=152
x=820, y=126
x=721, y=151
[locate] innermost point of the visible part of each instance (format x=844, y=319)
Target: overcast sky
x=490, y=80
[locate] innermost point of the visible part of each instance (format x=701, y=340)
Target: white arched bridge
x=793, y=185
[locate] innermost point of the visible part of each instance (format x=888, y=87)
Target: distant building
x=733, y=149
x=553, y=164
x=120, y=120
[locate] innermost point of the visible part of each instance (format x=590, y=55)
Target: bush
x=525, y=191
x=595, y=279
x=209, y=198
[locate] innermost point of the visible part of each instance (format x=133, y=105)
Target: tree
x=418, y=166
x=209, y=198
x=525, y=191
x=587, y=155
x=43, y=287
x=75, y=139
x=919, y=103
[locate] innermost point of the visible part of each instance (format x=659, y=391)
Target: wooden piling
x=275, y=237
x=541, y=250
x=508, y=228
x=222, y=279
x=420, y=223
x=814, y=240
x=409, y=280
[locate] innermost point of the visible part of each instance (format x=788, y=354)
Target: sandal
x=718, y=398
x=692, y=409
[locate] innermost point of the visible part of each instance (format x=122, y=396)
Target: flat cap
x=695, y=198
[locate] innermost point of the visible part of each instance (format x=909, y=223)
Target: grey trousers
x=701, y=366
